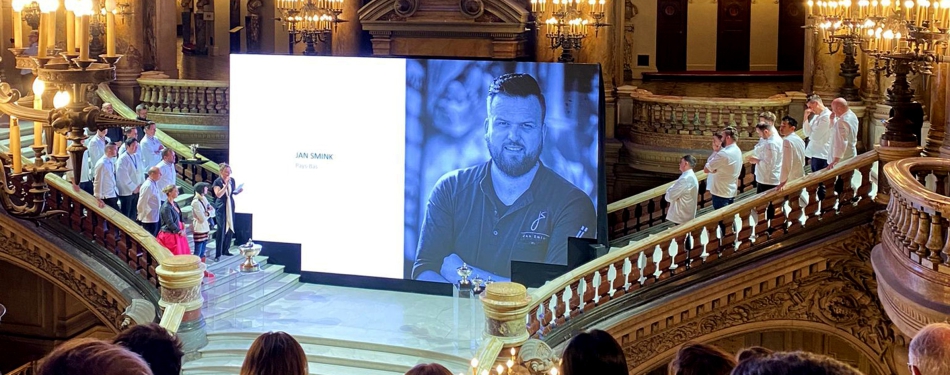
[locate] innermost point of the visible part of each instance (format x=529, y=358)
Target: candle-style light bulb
x=61, y=99
x=500, y=369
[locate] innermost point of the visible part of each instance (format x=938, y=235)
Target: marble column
x=938, y=110
x=506, y=308
x=808, y=73
x=346, y=38
x=166, y=39
x=130, y=39
x=180, y=277
x=825, y=78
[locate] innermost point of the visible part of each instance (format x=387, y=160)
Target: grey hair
x=140, y=107
x=814, y=98
x=930, y=349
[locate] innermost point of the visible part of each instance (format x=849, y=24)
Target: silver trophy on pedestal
x=464, y=272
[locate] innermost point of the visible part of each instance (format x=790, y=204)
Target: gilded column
x=506, y=308
x=180, y=277
x=938, y=110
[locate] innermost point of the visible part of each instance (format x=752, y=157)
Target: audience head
x=429, y=369
x=814, y=103
x=92, y=357
x=154, y=173
x=168, y=155
x=767, y=117
x=131, y=145
x=593, y=352
x=34, y=37
x=930, y=350
x=789, y=125
x=793, y=363
x=275, y=353
x=107, y=108
x=764, y=130
x=141, y=110
x=158, y=347
x=753, y=352
x=201, y=188
x=839, y=106
x=101, y=132
x=701, y=359
x=688, y=162
x=729, y=135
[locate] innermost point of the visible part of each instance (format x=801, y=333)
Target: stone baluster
x=935, y=242
x=180, y=278
x=919, y=244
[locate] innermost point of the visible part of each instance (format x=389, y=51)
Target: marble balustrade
x=186, y=96
x=917, y=226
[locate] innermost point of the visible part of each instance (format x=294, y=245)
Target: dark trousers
x=720, y=202
x=222, y=238
x=817, y=165
x=151, y=228
x=112, y=202
x=86, y=186
x=127, y=204
x=763, y=187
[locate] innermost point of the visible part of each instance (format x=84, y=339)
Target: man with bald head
x=844, y=138
x=929, y=352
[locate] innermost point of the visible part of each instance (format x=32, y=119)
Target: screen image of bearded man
x=511, y=207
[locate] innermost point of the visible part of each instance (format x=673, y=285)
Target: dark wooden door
x=791, y=35
x=732, y=41
x=235, y=21
x=671, y=35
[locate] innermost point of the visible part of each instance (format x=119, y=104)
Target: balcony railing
x=917, y=213
x=748, y=225
x=701, y=116
x=186, y=96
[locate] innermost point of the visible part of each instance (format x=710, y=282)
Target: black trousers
x=222, y=238
x=128, y=205
x=112, y=202
x=151, y=228
x=86, y=186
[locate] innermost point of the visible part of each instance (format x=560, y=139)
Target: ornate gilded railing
x=917, y=223
x=701, y=116
x=108, y=228
x=189, y=173
x=186, y=96
x=697, y=244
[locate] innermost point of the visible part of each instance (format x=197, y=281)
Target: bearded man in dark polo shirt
x=509, y=208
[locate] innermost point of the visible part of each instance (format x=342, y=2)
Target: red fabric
x=177, y=243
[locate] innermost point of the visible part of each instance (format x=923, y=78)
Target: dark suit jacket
x=170, y=217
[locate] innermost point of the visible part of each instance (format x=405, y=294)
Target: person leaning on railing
x=683, y=193
x=723, y=168
x=793, y=155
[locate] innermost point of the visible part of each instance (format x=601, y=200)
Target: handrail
x=171, y=318
x=917, y=217
x=680, y=250
x=107, y=227
x=182, y=82
x=186, y=97
x=28, y=368
x=648, y=208
x=190, y=173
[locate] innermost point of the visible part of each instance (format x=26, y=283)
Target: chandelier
x=309, y=21
x=70, y=76
x=902, y=38
x=568, y=22
x=840, y=29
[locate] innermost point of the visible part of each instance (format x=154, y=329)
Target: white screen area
x=318, y=143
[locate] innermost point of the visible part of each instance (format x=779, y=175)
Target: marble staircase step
x=221, y=305
x=231, y=262
x=231, y=281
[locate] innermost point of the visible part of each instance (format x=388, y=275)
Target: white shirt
x=845, y=137
x=682, y=197
x=104, y=186
x=150, y=201
x=793, y=158
x=724, y=167
x=129, y=174
x=96, y=147
x=150, y=150
x=168, y=175
x=769, y=153
x=818, y=131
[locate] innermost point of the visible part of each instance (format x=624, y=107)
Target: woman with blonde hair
x=171, y=233
x=275, y=353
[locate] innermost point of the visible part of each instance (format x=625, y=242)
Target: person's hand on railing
x=75, y=187
x=100, y=203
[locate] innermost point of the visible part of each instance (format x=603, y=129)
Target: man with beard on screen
x=509, y=208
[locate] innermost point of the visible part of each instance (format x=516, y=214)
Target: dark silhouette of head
x=275, y=353
x=793, y=363
x=158, y=347
x=701, y=359
x=429, y=369
x=594, y=352
x=92, y=357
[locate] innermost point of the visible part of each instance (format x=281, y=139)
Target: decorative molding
x=833, y=292
x=26, y=249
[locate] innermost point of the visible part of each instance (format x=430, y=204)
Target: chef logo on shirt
x=533, y=237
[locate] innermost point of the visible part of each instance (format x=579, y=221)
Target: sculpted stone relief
x=842, y=298
x=629, y=11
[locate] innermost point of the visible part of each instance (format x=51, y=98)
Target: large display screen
x=408, y=168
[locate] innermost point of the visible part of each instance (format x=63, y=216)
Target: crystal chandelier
x=309, y=21
x=567, y=22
